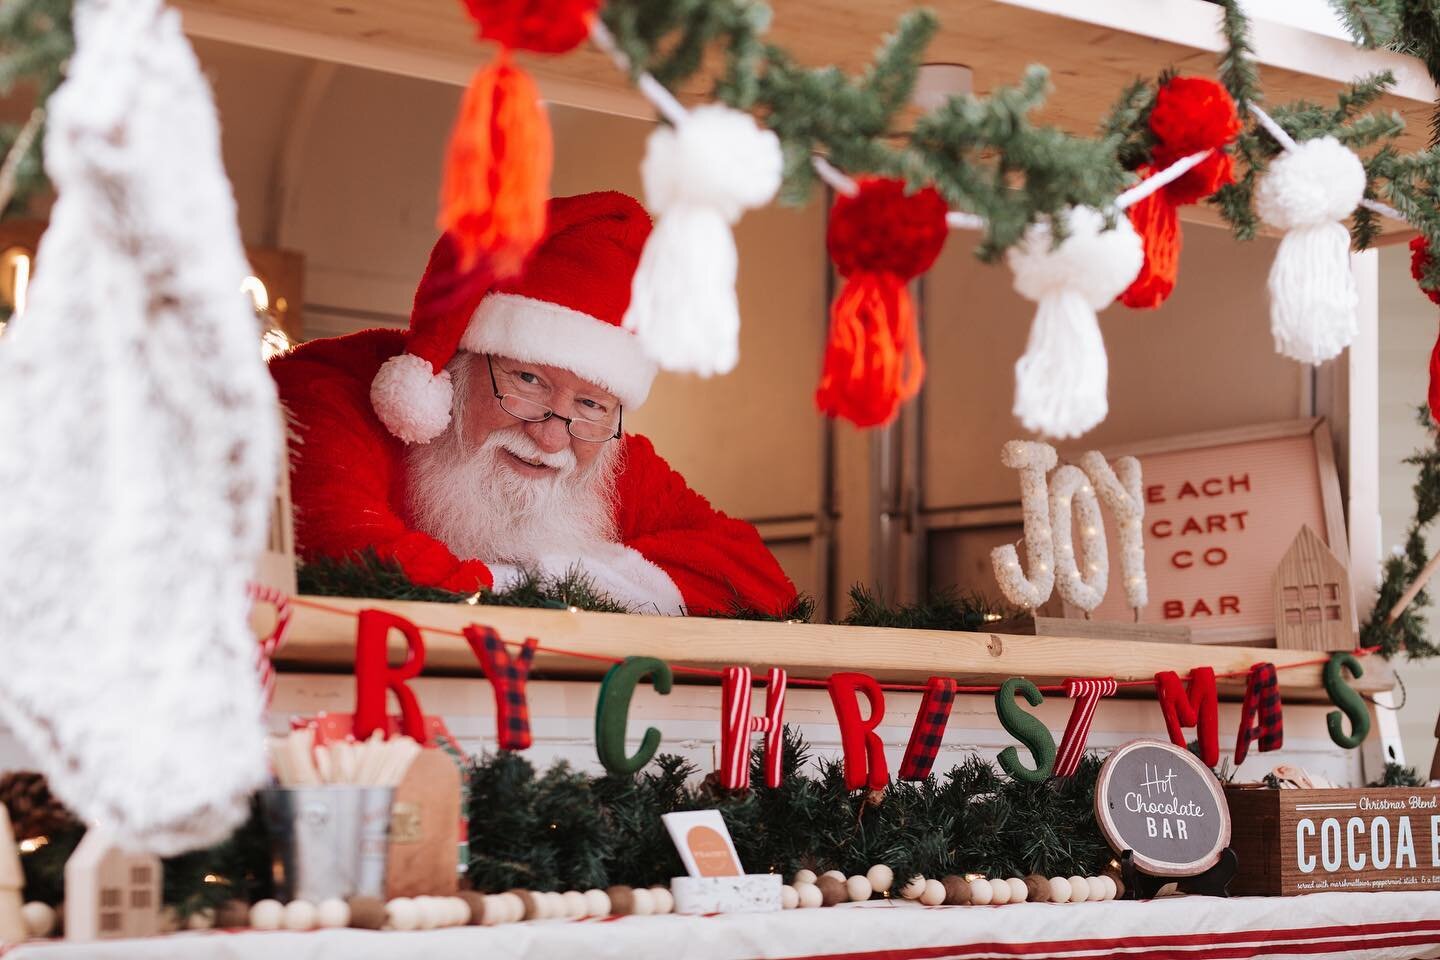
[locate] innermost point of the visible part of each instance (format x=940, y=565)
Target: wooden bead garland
x=622, y=900
x=999, y=892
x=366, y=913
x=934, y=894
x=1019, y=892
x=957, y=890
x=832, y=891
x=267, y=915
x=789, y=897
x=1037, y=888
x=805, y=876
x=810, y=895
x=858, y=888
x=474, y=907
x=333, y=913
x=981, y=893
x=881, y=878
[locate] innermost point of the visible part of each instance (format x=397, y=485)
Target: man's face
x=560, y=390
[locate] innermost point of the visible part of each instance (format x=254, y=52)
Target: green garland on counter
x=567, y=830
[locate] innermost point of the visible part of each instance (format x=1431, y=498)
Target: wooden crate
x=1309, y=841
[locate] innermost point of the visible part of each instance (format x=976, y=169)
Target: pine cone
x=34, y=811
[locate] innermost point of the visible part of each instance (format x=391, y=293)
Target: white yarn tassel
x=700, y=176
x=1060, y=382
x=1307, y=192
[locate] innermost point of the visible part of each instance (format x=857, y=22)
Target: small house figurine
x=12, y=883
x=1314, y=609
x=109, y=893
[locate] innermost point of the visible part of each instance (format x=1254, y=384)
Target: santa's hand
x=620, y=573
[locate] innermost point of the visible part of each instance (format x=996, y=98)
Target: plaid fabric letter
x=1086, y=694
x=1260, y=717
x=738, y=724
x=1194, y=705
x=507, y=677
x=929, y=728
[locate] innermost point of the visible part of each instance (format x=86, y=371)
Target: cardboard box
x=1309, y=841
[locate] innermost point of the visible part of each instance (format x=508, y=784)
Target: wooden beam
x=321, y=640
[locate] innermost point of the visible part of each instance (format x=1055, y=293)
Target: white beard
x=481, y=509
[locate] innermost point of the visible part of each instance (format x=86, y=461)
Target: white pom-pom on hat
x=411, y=399
x=699, y=176
x=1307, y=192
x=1061, y=381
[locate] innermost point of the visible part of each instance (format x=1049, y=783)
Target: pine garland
x=564, y=830
x=1408, y=632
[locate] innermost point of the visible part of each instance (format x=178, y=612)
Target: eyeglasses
x=531, y=410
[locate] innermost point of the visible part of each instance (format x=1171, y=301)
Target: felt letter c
x=612, y=710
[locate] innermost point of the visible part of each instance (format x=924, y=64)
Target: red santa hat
x=563, y=310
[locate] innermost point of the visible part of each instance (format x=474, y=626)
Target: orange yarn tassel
x=497, y=169
x=1157, y=220
x=872, y=356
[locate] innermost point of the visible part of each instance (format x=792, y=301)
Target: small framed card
x=704, y=843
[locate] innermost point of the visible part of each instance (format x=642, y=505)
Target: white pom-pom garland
x=411, y=399
x=1307, y=192
x=1033, y=459
x=1060, y=382
x=699, y=176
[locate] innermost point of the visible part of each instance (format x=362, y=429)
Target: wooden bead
x=810, y=896
x=664, y=899
x=531, y=906
x=858, y=889
x=999, y=891
x=597, y=903
x=39, y=918
x=300, y=915
x=789, y=897
x=881, y=878
x=804, y=876
x=170, y=918
x=1019, y=892
x=832, y=890
x=202, y=919
x=434, y=912
x=332, y=914
x=267, y=915
x=981, y=893
x=1037, y=888
x=474, y=905
x=402, y=913
x=913, y=888
x=643, y=902
x=934, y=894
x=574, y=904
x=1103, y=886
x=834, y=873
x=1079, y=890
x=496, y=911
x=510, y=907
x=1059, y=890
x=366, y=913
x=1119, y=882
x=232, y=914
x=622, y=901
x=957, y=890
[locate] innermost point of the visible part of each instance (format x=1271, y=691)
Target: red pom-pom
x=878, y=240
x=544, y=26
x=882, y=230
x=1190, y=114
x=1419, y=259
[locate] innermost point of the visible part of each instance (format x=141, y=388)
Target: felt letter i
x=864, y=751
x=738, y=725
x=507, y=678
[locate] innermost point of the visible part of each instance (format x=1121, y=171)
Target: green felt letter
x=1026, y=728
x=1349, y=702
x=613, y=709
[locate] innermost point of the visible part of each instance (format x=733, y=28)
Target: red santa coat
x=347, y=483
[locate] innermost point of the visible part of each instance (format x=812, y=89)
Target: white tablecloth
x=1370, y=926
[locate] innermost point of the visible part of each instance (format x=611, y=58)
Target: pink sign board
x=1221, y=510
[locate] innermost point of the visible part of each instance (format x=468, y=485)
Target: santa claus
x=490, y=439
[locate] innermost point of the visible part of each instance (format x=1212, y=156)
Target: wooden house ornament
x=109, y=893
x=1314, y=608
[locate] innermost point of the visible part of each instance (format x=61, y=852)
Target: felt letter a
x=864, y=752
x=374, y=675
x=1194, y=705
x=507, y=677
x=1260, y=717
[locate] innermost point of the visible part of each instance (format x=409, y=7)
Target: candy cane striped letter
x=738, y=725
x=1087, y=695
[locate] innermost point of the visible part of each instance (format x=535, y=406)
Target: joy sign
x=1054, y=506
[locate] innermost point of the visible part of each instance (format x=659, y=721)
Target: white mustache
x=518, y=443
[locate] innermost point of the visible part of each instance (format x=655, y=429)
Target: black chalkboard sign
x=1165, y=806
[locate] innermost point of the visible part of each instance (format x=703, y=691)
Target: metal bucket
x=328, y=841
